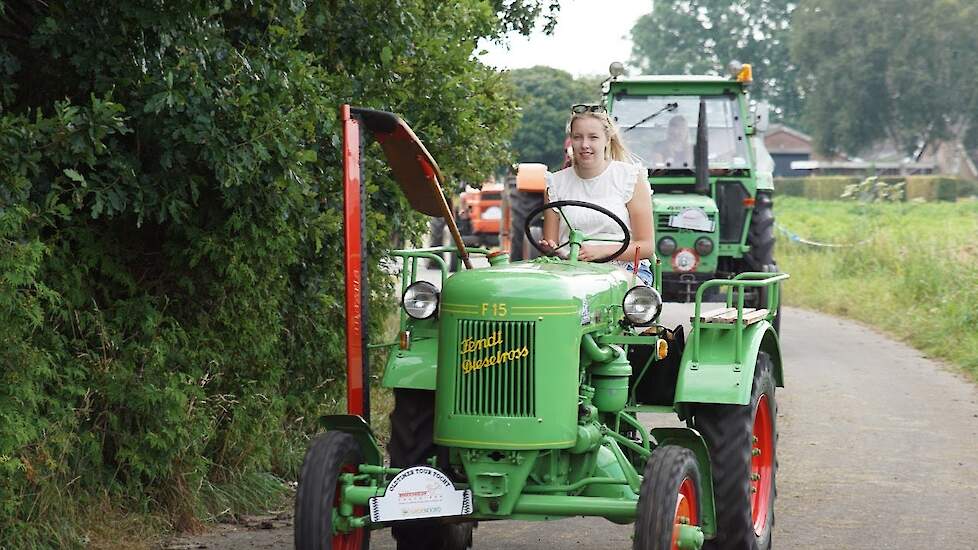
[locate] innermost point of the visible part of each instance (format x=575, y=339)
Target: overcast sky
x=588, y=37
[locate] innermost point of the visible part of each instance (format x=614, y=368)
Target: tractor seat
x=729, y=315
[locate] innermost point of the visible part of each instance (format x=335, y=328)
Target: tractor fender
x=413, y=369
x=719, y=376
x=357, y=427
x=692, y=440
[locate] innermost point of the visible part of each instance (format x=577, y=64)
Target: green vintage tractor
x=701, y=143
x=518, y=389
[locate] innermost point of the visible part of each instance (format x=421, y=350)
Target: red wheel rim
x=762, y=465
x=354, y=539
x=687, y=510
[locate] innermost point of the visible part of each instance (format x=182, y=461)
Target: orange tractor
x=492, y=216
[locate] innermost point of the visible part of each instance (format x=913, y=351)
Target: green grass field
x=910, y=269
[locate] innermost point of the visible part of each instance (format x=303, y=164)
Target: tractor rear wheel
x=760, y=235
x=743, y=454
x=760, y=257
x=329, y=455
x=521, y=203
x=411, y=444
x=670, y=498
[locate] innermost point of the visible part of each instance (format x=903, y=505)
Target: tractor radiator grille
x=662, y=223
x=495, y=369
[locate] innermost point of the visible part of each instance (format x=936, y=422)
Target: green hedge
x=171, y=284
x=928, y=188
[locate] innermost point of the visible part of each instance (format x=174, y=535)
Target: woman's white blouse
x=612, y=189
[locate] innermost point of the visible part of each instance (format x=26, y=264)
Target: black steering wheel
x=559, y=205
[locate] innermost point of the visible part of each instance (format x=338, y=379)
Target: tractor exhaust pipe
x=701, y=155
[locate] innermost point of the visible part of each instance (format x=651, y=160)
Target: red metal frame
x=353, y=259
x=417, y=174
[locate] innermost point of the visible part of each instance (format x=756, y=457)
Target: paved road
x=878, y=450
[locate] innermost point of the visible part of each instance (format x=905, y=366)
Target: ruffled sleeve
x=631, y=179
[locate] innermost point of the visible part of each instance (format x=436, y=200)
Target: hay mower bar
x=418, y=176
x=357, y=367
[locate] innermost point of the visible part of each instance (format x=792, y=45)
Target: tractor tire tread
x=317, y=487
x=727, y=430
x=411, y=444
x=760, y=234
x=664, y=471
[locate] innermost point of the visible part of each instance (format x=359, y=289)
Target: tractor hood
x=533, y=288
x=509, y=342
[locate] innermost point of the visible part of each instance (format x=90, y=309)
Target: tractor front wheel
x=669, y=501
x=318, y=496
x=742, y=440
x=411, y=444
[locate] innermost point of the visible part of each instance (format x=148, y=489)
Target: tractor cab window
x=661, y=130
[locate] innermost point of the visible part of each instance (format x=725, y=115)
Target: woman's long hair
x=615, y=150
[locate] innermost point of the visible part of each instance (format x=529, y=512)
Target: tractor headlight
x=420, y=300
x=642, y=304
x=667, y=245
x=704, y=246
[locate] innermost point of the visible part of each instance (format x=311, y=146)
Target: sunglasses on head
x=581, y=108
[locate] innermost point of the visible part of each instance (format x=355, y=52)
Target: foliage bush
x=170, y=243
x=545, y=96
x=874, y=189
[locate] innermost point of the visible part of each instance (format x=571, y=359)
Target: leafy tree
x=170, y=228
x=521, y=15
x=545, y=95
x=703, y=36
x=894, y=69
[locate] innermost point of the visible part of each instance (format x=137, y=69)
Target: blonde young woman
x=601, y=173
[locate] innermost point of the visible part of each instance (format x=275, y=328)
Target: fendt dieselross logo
x=490, y=344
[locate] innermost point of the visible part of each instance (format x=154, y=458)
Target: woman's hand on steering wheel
x=595, y=253
x=591, y=252
x=550, y=248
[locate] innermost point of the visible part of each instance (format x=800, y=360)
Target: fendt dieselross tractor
x=520, y=390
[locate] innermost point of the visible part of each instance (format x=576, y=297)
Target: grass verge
x=910, y=269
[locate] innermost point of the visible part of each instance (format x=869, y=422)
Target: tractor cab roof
x=667, y=78
x=646, y=85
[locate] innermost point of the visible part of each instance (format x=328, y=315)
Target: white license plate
x=420, y=492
